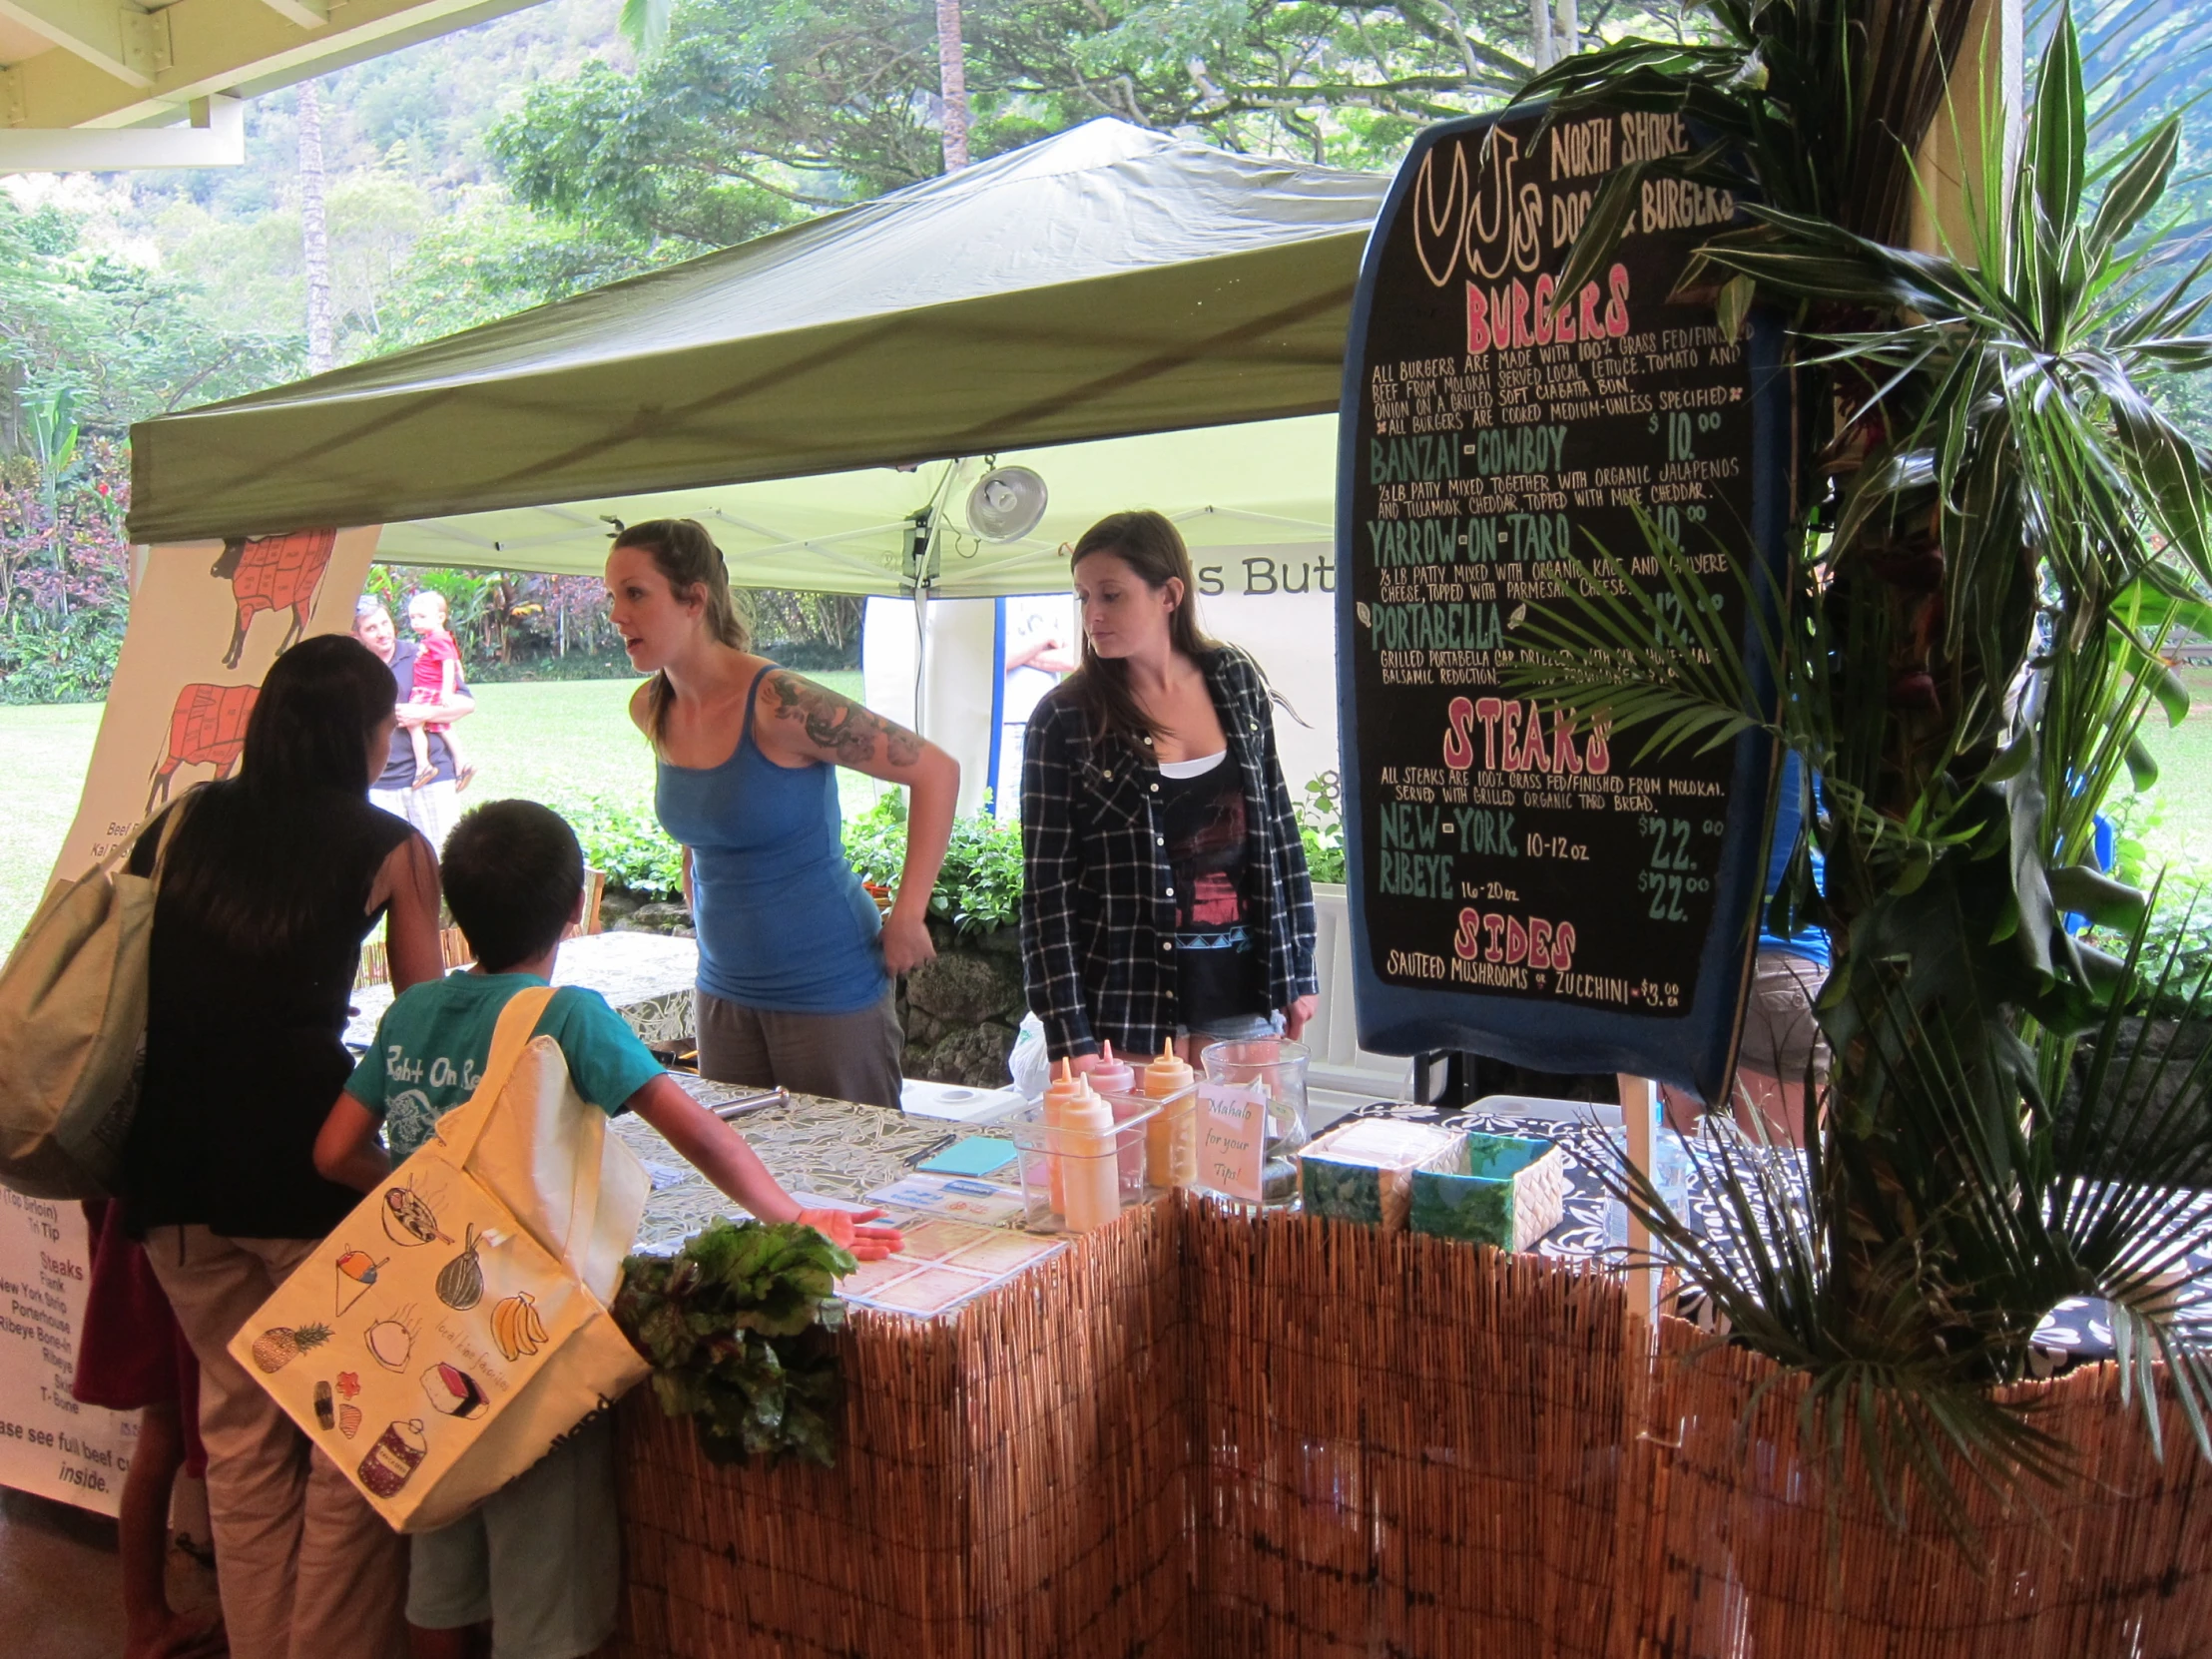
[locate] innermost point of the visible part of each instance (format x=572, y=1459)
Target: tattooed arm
x=798, y=720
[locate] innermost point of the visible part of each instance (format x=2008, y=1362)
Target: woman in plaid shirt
x=1165, y=891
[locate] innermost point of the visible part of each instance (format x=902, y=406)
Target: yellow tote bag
x=455, y=1325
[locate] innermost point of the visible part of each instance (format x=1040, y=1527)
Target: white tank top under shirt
x=1198, y=767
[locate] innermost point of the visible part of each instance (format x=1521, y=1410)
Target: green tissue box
x=1500, y=1190
x=1358, y=1171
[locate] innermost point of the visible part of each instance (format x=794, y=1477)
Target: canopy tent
x=1258, y=483
x=1103, y=282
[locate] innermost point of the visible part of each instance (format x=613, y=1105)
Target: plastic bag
x=1029, y=1066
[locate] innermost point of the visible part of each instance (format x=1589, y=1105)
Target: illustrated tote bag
x=455, y=1325
x=73, y=1028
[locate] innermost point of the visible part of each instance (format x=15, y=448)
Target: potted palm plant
x=2000, y=527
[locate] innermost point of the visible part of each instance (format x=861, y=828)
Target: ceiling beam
x=306, y=14
x=215, y=136
x=124, y=43
x=230, y=46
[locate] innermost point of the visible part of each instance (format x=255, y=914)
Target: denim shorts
x=541, y=1558
x=1236, y=1028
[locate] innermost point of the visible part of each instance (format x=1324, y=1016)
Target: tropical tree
x=2001, y=528
x=741, y=117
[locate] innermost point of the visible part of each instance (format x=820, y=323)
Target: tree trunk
x=314, y=234
x=953, y=80
x=1539, y=33
x=1570, y=28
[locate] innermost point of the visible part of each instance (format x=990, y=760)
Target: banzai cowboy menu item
x=1525, y=882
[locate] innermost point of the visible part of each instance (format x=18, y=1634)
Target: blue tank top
x=782, y=921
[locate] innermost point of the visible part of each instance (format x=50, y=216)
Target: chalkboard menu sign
x=1523, y=883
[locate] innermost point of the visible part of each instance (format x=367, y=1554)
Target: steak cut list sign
x=1525, y=883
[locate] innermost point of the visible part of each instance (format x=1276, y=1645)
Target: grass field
x=2179, y=809
x=564, y=741
x=557, y=741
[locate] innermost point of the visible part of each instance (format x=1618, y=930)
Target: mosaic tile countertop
x=834, y=1148
x=648, y=978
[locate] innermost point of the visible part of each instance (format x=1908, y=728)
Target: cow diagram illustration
x=273, y=573
x=207, y=726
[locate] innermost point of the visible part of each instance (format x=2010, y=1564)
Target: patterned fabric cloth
x=1098, y=915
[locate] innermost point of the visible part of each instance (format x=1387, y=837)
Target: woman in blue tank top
x=794, y=967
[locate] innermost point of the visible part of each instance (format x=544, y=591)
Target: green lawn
x=556, y=741
x=43, y=756
x=2179, y=808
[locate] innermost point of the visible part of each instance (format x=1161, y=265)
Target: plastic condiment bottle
x=1064, y=1089
x=1167, y=1162
x=1112, y=1076
x=1115, y=1078
x=1090, y=1170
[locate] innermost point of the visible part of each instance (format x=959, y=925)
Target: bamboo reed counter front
x=1198, y=1433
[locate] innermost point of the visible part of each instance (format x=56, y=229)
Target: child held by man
x=539, y=1562
x=437, y=679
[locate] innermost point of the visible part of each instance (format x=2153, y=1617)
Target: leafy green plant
x=625, y=839
x=1966, y=647
x=979, y=888
x=739, y=1326
x=1321, y=828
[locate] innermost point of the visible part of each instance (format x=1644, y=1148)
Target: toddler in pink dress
x=437, y=679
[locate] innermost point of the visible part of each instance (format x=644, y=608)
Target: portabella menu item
x=1526, y=883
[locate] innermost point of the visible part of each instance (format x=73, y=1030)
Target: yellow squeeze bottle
x=1166, y=1162
x=1092, y=1172
x=1064, y=1090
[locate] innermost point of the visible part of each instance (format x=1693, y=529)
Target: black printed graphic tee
x=1216, y=967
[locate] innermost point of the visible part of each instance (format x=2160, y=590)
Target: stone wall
x=961, y=1012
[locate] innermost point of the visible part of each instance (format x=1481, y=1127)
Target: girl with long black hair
x=271, y=882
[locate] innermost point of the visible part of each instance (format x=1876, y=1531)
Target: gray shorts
x=541, y=1558
x=1781, y=1037
x=839, y=1056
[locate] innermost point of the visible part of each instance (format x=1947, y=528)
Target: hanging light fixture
x=1006, y=503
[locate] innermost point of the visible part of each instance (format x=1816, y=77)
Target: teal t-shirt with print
x=435, y=1040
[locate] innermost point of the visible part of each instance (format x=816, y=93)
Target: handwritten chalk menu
x=1523, y=884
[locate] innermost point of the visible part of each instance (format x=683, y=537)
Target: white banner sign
x=50, y=1444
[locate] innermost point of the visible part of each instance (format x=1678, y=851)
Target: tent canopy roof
x=1106, y=281
x=1265, y=484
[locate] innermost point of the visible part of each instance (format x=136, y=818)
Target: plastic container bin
x=1040, y=1142
x=1170, y=1141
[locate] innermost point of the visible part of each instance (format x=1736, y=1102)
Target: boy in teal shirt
x=540, y=1560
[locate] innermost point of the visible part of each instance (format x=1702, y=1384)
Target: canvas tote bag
x=73, y=1027
x=455, y=1325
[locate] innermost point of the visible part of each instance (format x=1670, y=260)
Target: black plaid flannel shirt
x=1097, y=924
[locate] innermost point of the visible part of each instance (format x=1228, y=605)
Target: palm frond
x=1660, y=659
